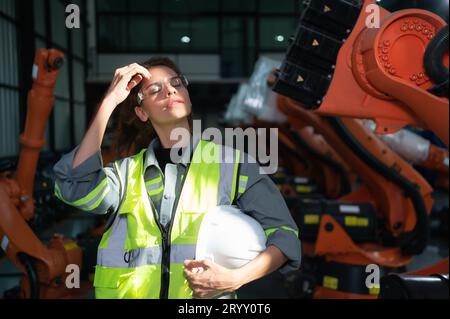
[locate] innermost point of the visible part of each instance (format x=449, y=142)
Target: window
x=147, y=6
x=271, y=6
x=238, y=42
x=238, y=5
x=77, y=41
x=143, y=34
x=58, y=23
x=9, y=115
x=8, y=54
x=80, y=121
x=39, y=16
x=9, y=84
x=62, y=122
x=112, y=34
x=189, y=6
x=233, y=29
x=275, y=32
x=62, y=83
x=111, y=5
x=78, y=82
x=8, y=7
x=188, y=35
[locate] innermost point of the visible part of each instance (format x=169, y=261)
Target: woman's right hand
x=123, y=81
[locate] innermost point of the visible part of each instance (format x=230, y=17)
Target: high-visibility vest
x=136, y=259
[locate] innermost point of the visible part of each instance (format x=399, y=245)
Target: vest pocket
x=114, y=283
x=137, y=229
x=190, y=224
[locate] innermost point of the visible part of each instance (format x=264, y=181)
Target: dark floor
x=272, y=286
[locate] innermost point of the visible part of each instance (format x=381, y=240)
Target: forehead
x=160, y=72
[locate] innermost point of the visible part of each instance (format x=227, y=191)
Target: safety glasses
x=156, y=87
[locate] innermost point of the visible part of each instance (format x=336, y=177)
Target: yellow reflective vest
x=136, y=258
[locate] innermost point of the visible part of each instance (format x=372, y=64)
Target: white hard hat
x=229, y=237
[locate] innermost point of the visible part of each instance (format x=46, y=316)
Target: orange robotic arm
x=40, y=103
x=341, y=63
x=44, y=266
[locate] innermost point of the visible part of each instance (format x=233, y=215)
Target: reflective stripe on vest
x=120, y=258
x=91, y=201
x=130, y=252
x=242, y=184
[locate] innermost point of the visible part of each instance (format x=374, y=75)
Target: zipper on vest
x=165, y=277
x=165, y=266
x=165, y=258
x=164, y=244
x=165, y=236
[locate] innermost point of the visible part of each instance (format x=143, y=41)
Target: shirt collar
x=150, y=157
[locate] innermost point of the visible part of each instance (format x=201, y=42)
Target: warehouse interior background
x=216, y=44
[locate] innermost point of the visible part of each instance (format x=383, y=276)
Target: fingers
x=192, y=275
x=208, y=263
x=131, y=70
x=142, y=70
x=200, y=286
x=124, y=80
x=187, y=262
x=134, y=81
x=196, y=276
x=205, y=263
x=198, y=270
x=204, y=293
x=195, y=272
x=133, y=77
x=194, y=263
x=135, y=71
x=201, y=291
x=127, y=68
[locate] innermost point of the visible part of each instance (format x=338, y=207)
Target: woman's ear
x=141, y=113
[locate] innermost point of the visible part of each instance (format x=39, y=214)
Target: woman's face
x=165, y=99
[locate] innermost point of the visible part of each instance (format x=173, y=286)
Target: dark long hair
x=131, y=134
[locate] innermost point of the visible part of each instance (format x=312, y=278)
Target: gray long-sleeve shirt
x=98, y=190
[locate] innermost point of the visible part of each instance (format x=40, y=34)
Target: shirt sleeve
x=89, y=187
x=259, y=197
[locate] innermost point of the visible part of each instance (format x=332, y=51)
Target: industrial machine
x=354, y=60
x=44, y=265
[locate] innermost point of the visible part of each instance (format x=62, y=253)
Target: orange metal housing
x=387, y=198
x=379, y=74
x=326, y=177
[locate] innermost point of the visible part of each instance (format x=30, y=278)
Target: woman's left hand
x=208, y=279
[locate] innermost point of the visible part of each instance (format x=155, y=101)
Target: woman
x=157, y=204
